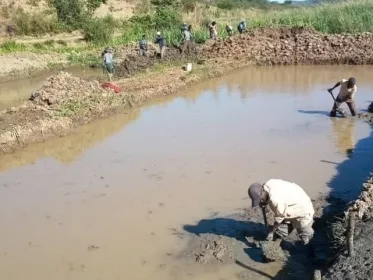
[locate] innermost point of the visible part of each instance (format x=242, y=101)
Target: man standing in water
x=346, y=94
x=291, y=205
x=107, y=56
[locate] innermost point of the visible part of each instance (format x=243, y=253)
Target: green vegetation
x=166, y=16
x=99, y=30
x=342, y=17
x=34, y=24
x=12, y=46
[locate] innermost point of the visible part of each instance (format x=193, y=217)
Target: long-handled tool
x=331, y=93
x=265, y=217
x=341, y=111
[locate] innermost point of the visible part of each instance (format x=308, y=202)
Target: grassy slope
x=347, y=17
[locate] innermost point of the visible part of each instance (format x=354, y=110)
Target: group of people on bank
x=186, y=44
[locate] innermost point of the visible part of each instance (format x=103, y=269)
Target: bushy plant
x=99, y=30
x=34, y=24
x=70, y=12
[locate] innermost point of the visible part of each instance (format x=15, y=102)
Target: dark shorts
x=337, y=104
x=109, y=67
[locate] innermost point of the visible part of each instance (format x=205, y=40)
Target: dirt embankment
x=18, y=64
x=70, y=101
x=295, y=46
x=359, y=266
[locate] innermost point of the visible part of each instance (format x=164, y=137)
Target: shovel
x=265, y=218
x=338, y=110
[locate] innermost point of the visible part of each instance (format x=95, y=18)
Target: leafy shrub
x=166, y=18
x=34, y=24
x=70, y=12
x=99, y=30
x=74, y=13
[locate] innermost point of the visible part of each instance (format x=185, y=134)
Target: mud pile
x=134, y=63
x=63, y=88
x=360, y=265
x=368, y=117
x=240, y=239
x=294, y=46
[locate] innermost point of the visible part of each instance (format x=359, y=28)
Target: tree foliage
x=75, y=12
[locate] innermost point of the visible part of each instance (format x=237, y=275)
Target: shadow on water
x=228, y=227
x=314, y=112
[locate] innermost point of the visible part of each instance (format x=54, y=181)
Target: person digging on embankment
x=346, y=94
x=229, y=30
x=213, y=31
x=187, y=41
x=143, y=44
x=291, y=205
x=108, y=62
x=160, y=41
x=242, y=26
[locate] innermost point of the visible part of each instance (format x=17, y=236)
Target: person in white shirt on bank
x=291, y=205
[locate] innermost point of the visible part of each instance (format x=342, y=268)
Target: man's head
x=158, y=33
x=258, y=196
x=243, y=20
x=351, y=82
x=213, y=23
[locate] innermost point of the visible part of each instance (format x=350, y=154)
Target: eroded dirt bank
x=295, y=46
x=65, y=102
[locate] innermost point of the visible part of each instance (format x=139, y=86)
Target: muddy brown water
x=110, y=201
x=16, y=90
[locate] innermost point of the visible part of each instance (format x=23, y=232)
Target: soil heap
x=134, y=63
x=64, y=88
x=294, y=46
x=360, y=265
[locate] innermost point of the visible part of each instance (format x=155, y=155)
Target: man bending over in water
x=291, y=205
x=346, y=94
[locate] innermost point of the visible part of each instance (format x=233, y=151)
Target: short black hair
x=352, y=81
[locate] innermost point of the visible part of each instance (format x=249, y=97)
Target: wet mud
x=240, y=239
x=359, y=265
x=133, y=64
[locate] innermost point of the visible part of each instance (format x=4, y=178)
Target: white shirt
x=344, y=92
x=288, y=200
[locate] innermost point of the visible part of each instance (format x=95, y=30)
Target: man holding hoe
x=291, y=205
x=346, y=94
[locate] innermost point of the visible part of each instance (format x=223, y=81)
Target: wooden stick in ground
x=350, y=233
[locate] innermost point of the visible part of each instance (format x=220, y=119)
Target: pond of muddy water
x=16, y=90
x=111, y=200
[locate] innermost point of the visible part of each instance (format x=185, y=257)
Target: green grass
x=335, y=18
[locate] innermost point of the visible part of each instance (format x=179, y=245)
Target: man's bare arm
x=336, y=85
